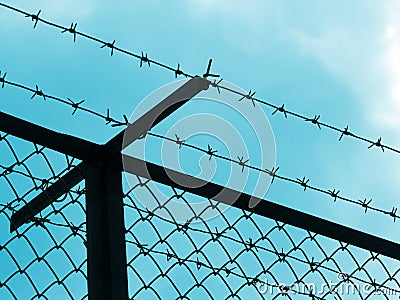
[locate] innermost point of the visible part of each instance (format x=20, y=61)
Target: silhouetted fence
x=238, y=255
x=72, y=228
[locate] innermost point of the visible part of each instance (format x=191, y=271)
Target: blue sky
x=338, y=59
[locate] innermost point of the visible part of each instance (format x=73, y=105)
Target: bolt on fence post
x=106, y=250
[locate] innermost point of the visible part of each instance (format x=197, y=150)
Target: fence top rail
x=56, y=141
x=63, y=143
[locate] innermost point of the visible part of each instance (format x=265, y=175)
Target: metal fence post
x=106, y=251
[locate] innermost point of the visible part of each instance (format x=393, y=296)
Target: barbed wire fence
x=240, y=255
x=219, y=262
x=216, y=253
x=303, y=182
x=218, y=84
x=334, y=194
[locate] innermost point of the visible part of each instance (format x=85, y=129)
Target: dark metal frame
x=102, y=167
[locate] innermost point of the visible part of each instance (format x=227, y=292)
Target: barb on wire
x=334, y=194
x=144, y=59
x=210, y=151
x=40, y=222
x=108, y=117
x=75, y=105
x=377, y=144
x=272, y=173
x=109, y=45
x=216, y=235
x=393, y=214
x=250, y=245
x=124, y=123
x=35, y=18
x=80, y=191
x=304, y=182
x=74, y=229
x=178, y=141
x=3, y=79
x=11, y=206
x=249, y=96
x=281, y=256
x=345, y=132
x=177, y=195
x=216, y=85
x=39, y=93
x=242, y=162
x=280, y=109
x=365, y=203
x=72, y=30
x=178, y=71
x=315, y=121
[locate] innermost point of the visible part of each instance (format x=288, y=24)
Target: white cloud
x=366, y=57
x=388, y=110
x=358, y=42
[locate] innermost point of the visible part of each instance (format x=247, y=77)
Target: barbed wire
x=67, y=101
x=23, y=267
x=47, y=237
x=250, y=246
x=144, y=59
x=303, y=182
x=165, y=229
x=215, y=271
x=365, y=203
x=256, y=244
x=39, y=182
x=313, y=120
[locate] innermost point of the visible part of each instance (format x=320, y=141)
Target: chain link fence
x=236, y=255
x=239, y=255
x=46, y=258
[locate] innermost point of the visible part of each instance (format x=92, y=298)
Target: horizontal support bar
x=63, y=143
x=219, y=193
x=264, y=208
x=92, y=152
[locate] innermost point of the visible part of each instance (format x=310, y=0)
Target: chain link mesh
x=46, y=258
x=239, y=255
x=236, y=255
